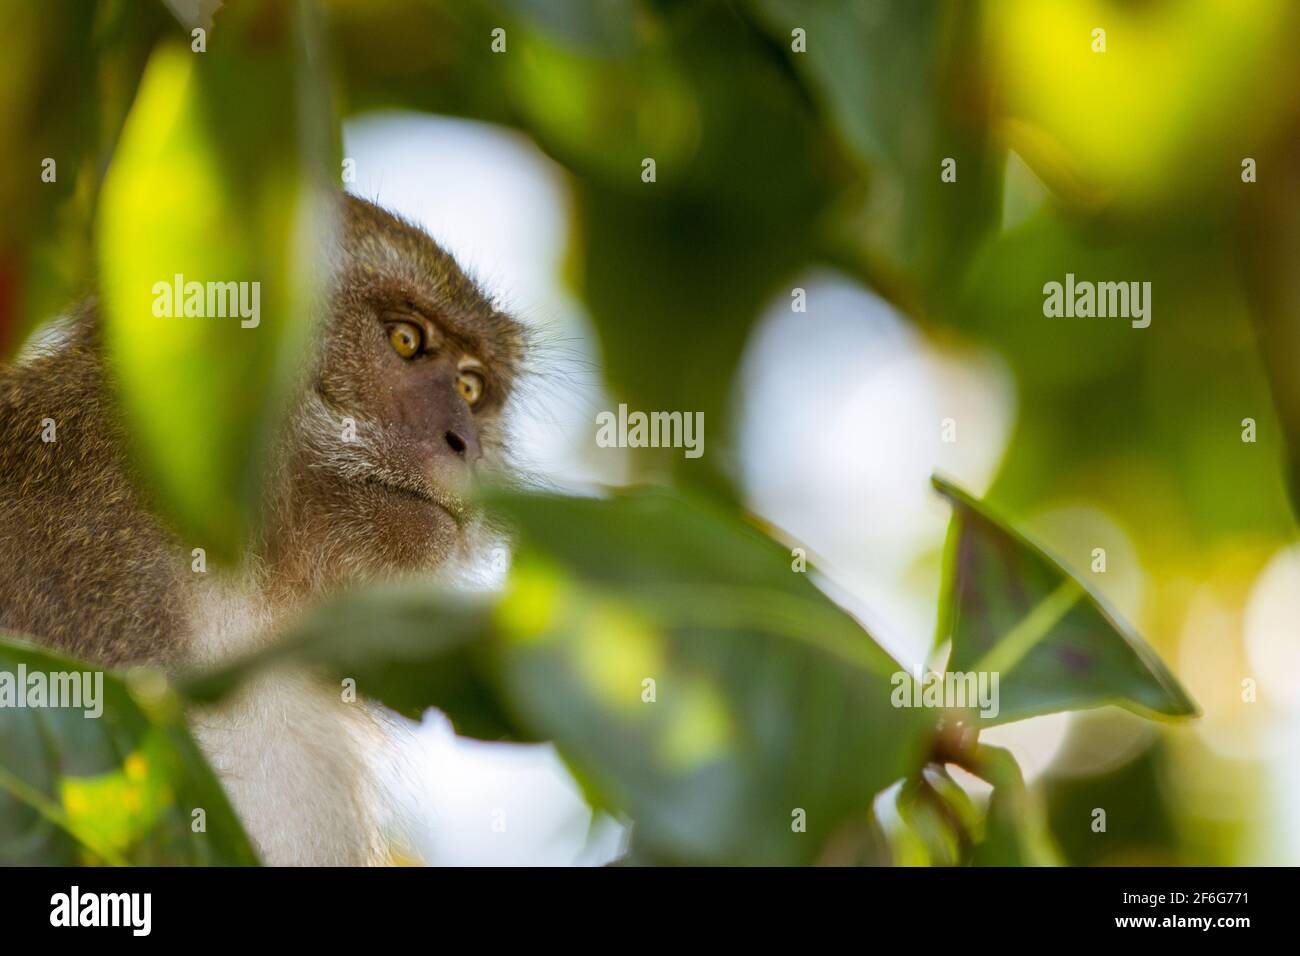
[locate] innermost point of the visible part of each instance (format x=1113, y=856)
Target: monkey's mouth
x=420, y=490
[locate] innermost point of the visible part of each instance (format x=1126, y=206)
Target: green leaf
x=768, y=727
x=1273, y=229
x=933, y=834
x=411, y=648
x=69, y=71
x=1012, y=610
x=768, y=699
x=1141, y=825
x=213, y=182
x=606, y=28
x=901, y=84
x=1015, y=828
x=118, y=788
x=676, y=272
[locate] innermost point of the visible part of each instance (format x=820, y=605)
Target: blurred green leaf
x=213, y=181
x=411, y=649
x=675, y=272
x=118, y=788
x=768, y=698
x=903, y=86
x=606, y=27
x=1270, y=237
x=1010, y=609
x=766, y=730
x=429, y=56
x=1015, y=831
x=68, y=71
x=1173, y=76
x=935, y=831
x=1141, y=825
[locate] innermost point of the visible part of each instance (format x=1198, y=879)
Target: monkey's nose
x=467, y=450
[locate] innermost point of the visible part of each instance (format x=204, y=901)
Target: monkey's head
x=402, y=408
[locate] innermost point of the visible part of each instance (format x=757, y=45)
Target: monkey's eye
x=405, y=338
x=470, y=385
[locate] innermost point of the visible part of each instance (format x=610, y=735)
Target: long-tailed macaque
x=421, y=362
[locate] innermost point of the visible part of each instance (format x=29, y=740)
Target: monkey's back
x=85, y=567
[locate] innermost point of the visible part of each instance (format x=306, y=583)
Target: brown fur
x=84, y=563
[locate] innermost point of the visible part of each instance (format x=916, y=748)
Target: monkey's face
x=412, y=376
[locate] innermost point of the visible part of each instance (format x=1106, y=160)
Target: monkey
x=401, y=403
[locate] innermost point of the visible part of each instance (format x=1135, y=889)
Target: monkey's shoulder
x=84, y=564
